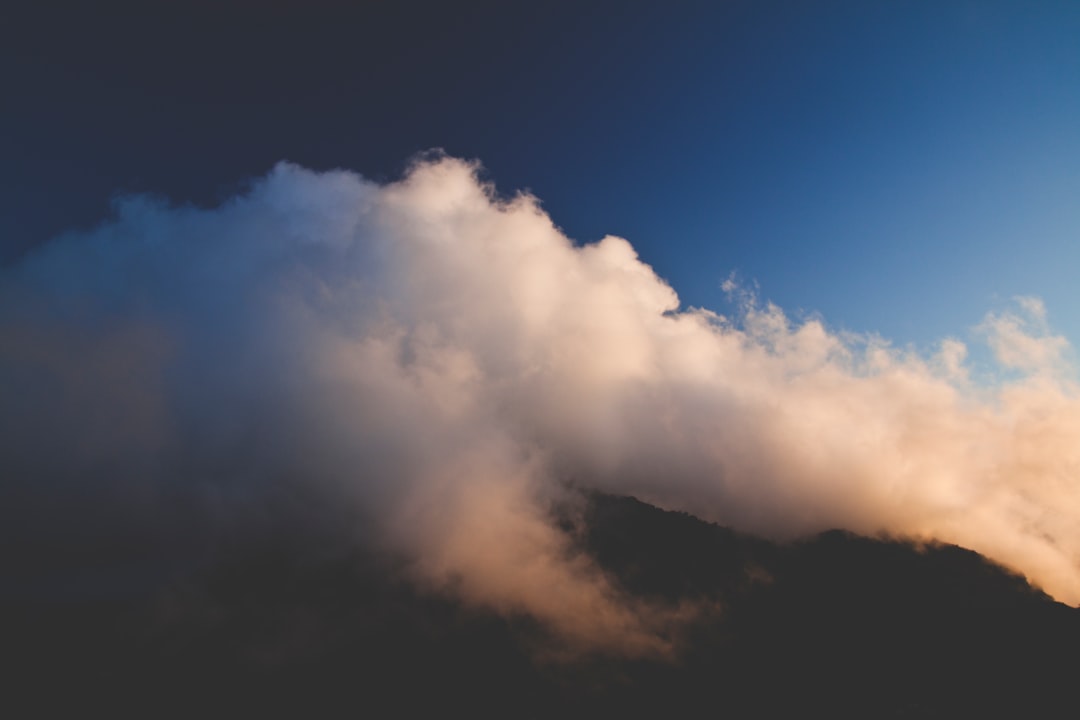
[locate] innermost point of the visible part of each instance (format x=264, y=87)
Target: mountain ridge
x=837, y=624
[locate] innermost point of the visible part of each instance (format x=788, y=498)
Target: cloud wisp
x=450, y=364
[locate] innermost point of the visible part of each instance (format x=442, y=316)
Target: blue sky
x=897, y=167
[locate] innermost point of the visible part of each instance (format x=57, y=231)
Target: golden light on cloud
x=451, y=362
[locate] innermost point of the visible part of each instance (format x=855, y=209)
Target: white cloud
x=447, y=361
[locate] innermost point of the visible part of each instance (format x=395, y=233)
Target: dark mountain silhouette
x=833, y=626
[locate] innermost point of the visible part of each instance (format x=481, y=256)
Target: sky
x=898, y=167
x=426, y=271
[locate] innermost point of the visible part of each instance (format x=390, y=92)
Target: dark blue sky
x=899, y=167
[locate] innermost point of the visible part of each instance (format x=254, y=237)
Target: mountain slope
x=836, y=625
x=845, y=624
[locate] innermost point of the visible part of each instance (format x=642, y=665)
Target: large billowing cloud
x=449, y=364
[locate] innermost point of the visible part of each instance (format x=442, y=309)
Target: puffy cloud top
x=451, y=364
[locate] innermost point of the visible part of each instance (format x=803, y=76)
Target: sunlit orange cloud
x=449, y=361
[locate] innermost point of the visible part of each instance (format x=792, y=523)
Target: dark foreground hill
x=834, y=626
